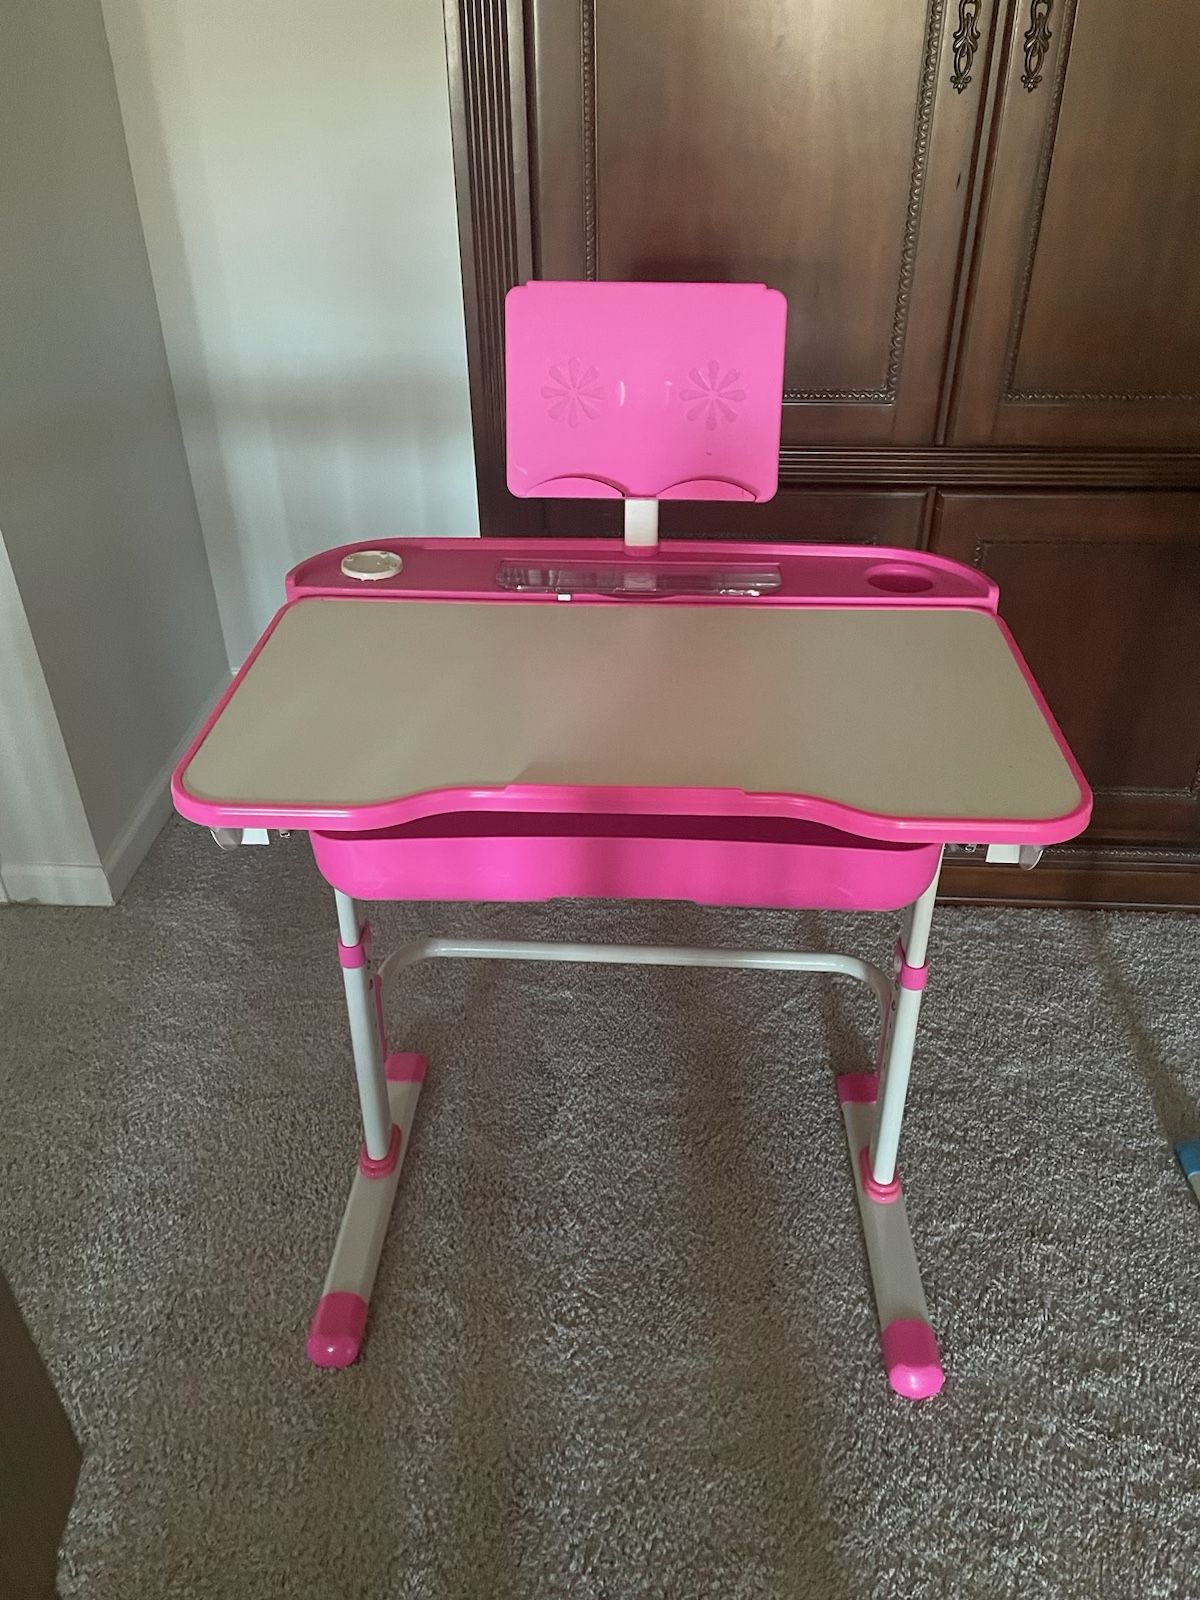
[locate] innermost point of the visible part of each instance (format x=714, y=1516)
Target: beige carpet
x=622, y=1343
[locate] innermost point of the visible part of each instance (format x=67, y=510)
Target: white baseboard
x=57, y=885
x=102, y=884
x=148, y=818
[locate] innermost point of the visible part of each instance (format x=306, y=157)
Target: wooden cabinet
x=1084, y=318
x=836, y=516
x=39, y=1462
x=820, y=147
x=982, y=213
x=1102, y=593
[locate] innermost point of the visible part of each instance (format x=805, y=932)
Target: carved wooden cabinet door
x=1102, y=593
x=821, y=146
x=1084, y=327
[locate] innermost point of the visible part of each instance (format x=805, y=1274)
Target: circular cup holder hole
x=896, y=578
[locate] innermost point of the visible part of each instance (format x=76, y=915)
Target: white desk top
x=900, y=714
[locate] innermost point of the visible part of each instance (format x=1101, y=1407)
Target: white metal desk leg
x=902, y=1032
x=388, y=1087
x=873, y=1110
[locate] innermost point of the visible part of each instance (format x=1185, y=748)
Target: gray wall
x=46, y=847
x=96, y=504
x=293, y=167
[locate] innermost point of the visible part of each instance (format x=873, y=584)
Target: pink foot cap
x=336, y=1331
x=405, y=1067
x=910, y=1354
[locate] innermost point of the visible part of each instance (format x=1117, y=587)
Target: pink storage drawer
x=718, y=861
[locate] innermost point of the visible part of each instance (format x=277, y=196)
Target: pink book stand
x=650, y=391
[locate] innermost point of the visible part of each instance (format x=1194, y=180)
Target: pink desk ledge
x=888, y=713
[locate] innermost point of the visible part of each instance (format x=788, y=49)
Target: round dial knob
x=368, y=566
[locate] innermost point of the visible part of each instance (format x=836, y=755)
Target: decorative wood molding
x=1037, y=42
x=916, y=190
x=983, y=547
x=965, y=43
x=1142, y=791
x=831, y=397
x=1142, y=855
x=1081, y=875
x=1038, y=202
x=1065, y=396
x=587, y=72
x=1037, y=208
x=1001, y=469
x=1112, y=791
x=485, y=64
x=886, y=392
x=1012, y=395
x=1080, y=852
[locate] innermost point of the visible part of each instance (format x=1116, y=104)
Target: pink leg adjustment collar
x=359, y=953
x=884, y=1193
x=909, y=977
x=380, y=1166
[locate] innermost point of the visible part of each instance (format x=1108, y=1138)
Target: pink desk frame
x=719, y=847
x=641, y=392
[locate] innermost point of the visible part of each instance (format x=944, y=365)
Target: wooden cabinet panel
x=819, y=147
x=1084, y=325
x=39, y=1462
x=1102, y=593
x=833, y=516
x=982, y=215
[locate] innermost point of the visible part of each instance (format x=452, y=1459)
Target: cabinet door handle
x=1037, y=42
x=965, y=42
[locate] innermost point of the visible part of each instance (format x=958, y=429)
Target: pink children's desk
x=732, y=724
